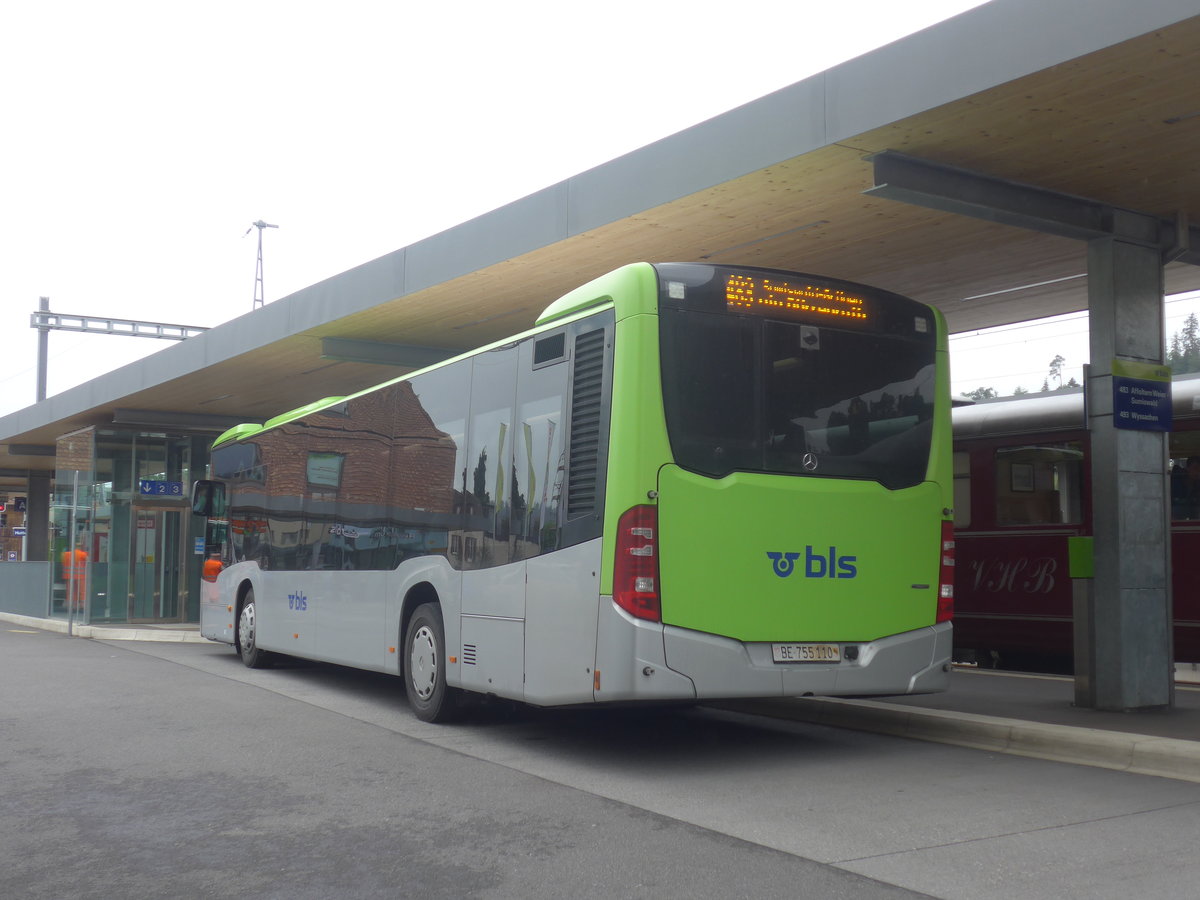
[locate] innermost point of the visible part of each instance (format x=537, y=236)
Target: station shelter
x=124, y=545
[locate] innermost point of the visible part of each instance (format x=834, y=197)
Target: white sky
x=1012, y=356
x=141, y=139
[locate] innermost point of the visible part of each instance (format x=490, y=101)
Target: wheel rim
x=423, y=662
x=246, y=628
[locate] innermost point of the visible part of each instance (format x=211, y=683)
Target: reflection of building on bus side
x=315, y=484
x=307, y=493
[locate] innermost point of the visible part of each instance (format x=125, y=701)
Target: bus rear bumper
x=915, y=662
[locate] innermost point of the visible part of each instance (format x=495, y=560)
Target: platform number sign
x=150, y=488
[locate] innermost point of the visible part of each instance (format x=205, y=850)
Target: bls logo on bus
x=816, y=565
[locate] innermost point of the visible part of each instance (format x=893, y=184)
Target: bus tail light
x=635, y=573
x=945, y=603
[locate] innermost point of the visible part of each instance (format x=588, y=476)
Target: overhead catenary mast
x=45, y=322
x=259, y=299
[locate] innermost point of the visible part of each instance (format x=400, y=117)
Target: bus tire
x=425, y=669
x=246, y=638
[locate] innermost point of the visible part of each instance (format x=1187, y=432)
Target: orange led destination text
x=745, y=292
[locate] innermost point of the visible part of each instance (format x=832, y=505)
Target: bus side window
x=240, y=465
x=278, y=547
x=348, y=471
x=428, y=484
x=962, y=489
x=539, y=467
x=489, y=485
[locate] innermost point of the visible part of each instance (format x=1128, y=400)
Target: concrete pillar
x=37, y=517
x=1131, y=657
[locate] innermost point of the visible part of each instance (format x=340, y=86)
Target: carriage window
x=1039, y=484
x=962, y=489
x=1185, y=474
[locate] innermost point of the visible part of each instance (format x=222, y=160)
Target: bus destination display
x=769, y=295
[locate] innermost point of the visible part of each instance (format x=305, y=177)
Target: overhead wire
x=1041, y=324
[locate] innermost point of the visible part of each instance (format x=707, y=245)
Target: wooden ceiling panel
x=1099, y=126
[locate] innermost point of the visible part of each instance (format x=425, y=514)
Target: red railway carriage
x=1022, y=490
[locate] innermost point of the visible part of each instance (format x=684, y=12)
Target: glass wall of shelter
x=123, y=538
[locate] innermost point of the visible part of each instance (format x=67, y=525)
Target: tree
x=1056, y=367
x=479, y=479
x=1184, y=353
x=982, y=393
x=1055, y=376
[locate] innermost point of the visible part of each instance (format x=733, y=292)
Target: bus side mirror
x=208, y=499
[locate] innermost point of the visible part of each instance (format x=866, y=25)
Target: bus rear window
x=748, y=393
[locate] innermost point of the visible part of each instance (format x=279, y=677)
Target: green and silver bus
x=685, y=482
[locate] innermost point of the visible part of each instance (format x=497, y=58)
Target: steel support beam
x=950, y=189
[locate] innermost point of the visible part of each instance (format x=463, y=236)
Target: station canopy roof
x=1094, y=98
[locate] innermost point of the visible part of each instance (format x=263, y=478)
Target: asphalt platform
x=1002, y=712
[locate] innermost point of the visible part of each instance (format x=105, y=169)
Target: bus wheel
x=425, y=671
x=247, y=646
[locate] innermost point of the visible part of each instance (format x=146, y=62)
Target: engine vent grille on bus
x=468, y=654
x=586, y=407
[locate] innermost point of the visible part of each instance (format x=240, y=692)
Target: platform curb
x=1136, y=753
x=106, y=632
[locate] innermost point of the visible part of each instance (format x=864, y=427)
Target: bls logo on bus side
x=816, y=565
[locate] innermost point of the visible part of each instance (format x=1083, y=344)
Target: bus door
x=562, y=590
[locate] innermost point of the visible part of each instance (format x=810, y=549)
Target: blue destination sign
x=150, y=488
x=1141, y=395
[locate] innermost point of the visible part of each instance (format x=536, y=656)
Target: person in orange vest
x=74, y=565
x=212, y=566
